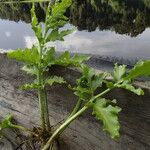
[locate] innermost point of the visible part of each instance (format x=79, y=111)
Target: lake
x=105, y=28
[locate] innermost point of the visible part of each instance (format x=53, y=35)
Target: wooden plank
x=85, y=133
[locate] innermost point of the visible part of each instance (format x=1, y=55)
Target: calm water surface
x=110, y=28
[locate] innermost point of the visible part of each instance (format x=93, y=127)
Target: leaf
x=108, y=114
x=53, y=36
x=56, y=35
x=79, y=59
x=37, y=28
x=127, y=86
x=87, y=72
x=119, y=72
x=55, y=79
x=30, y=86
x=52, y=24
x=83, y=93
x=27, y=56
x=29, y=69
x=97, y=80
x=82, y=90
x=56, y=18
x=60, y=7
x=49, y=58
x=142, y=68
x=93, y=80
x=65, y=59
x=66, y=32
x=34, y=18
x=109, y=84
x=6, y=122
x=88, y=83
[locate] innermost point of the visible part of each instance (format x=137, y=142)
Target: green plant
x=40, y=58
x=7, y=122
x=103, y=109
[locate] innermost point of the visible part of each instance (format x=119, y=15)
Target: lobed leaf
x=97, y=81
x=128, y=86
x=49, y=57
x=108, y=114
x=65, y=59
x=60, y=7
x=93, y=80
x=37, y=28
x=87, y=72
x=53, y=36
x=83, y=93
x=55, y=79
x=30, y=86
x=119, y=72
x=88, y=83
x=142, y=68
x=27, y=56
x=6, y=122
x=109, y=84
x=66, y=32
x=29, y=69
x=56, y=18
x=58, y=35
x=34, y=18
x=79, y=59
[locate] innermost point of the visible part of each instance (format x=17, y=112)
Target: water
x=106, y=28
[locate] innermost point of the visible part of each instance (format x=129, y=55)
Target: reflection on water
x=120, y=28
x=129, y=17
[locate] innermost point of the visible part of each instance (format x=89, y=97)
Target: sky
x=104, y=43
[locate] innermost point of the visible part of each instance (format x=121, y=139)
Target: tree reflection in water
x=130, y=17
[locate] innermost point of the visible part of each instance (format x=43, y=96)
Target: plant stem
x=46, y=113
x=76, y=108
x=43, y=104
x=41, y=100
x=22, y=128
x=63, y=126
x=70, y=119
x=99, y=95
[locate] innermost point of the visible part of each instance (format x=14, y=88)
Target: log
x=83, y=134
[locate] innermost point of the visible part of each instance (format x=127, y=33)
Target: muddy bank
x=83, y=134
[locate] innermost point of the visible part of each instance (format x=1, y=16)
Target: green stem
x=43, y=104
x=76, y=108
x=70, y=119
x=22, y=128
x=63, y=126
x=99, y=95
x=41, y=100
x=46, y=113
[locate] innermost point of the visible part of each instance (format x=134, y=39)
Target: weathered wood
x=85, y=133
